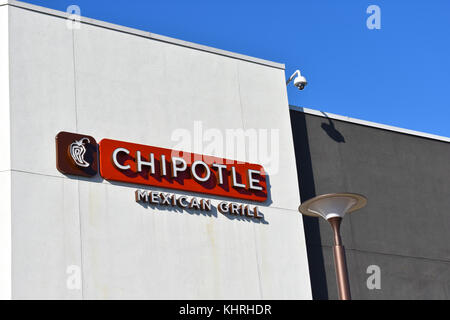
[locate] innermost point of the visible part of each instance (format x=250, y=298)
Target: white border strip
x=5, y=166
x=145, y=34
x=368, y=123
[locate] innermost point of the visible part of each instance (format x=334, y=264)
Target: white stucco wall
x=112, y=84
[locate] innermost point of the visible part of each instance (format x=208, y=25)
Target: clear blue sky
x=398, y=75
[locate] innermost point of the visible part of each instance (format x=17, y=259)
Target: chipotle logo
x=160, y=167
x=76, y=154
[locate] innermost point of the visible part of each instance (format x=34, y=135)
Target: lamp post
x=333, y=207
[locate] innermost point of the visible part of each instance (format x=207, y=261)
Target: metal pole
x=339, y=261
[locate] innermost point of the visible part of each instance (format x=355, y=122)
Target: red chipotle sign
x=166, y=168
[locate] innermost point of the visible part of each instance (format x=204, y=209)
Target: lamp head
x=333, y=205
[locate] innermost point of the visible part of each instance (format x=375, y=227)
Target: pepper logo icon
x=77, y=151
x=76, y=154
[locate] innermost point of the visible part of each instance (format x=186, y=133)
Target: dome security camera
x=300, y=81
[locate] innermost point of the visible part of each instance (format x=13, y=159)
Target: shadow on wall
x=308, y=191
x=331, y=130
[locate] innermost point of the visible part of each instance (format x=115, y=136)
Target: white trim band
x=369, y=123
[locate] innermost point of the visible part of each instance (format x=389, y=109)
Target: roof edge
x=369, y=123
x=144, y=34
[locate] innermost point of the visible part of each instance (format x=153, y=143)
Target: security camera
x=299, y=81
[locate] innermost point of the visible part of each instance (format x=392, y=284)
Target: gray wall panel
x=403, y=229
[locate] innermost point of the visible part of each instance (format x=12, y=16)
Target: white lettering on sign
x=180, y=165
x=193, y=203
x=114, y=159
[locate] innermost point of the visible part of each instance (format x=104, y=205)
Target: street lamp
x=333, y=207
